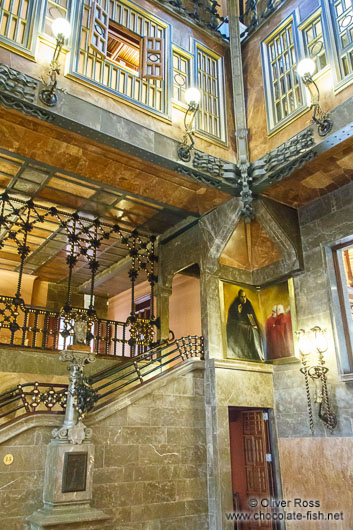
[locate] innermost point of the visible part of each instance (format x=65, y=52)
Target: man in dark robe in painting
x=243, y=331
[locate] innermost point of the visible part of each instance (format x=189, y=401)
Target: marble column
x=163, y=293
x=69, y=467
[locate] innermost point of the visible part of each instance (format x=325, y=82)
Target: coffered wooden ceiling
x=60, y=168
x=50, y=187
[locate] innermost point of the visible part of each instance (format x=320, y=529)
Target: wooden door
x=258, y=471
x=252, y=474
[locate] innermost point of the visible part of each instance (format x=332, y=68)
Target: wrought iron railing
x=204, y=12
x=32, y=398
x=37, y=327
x=42, y=398
x=254, y=12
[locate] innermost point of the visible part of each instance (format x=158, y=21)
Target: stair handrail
x=32, y=400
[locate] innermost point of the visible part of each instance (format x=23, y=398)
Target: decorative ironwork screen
x=36, y=327
x=254, y=12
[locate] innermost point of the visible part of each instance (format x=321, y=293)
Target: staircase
x=35, y=398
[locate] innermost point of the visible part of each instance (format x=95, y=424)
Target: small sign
x=8, y=459
x=75, y=472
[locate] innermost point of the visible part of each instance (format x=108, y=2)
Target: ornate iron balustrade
x=30, y=398
x=42, y=398
x=146, y=366
x=204, y=12
x=254, y=12
x=38, y=327
x=35, y=327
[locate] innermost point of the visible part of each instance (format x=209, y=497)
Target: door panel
x=252, y=473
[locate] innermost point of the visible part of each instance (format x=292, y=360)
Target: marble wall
x=317, y=467
x=322, y=222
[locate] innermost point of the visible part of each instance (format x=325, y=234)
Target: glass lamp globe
x=192, y=96
x=304, y=343
x=61, y=26
x=320, y=339
x=306, y=67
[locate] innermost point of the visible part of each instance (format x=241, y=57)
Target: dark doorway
x=251, y=463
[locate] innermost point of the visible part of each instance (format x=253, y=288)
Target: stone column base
x=65, y=516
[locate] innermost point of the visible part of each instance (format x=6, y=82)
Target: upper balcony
x=124, y=72
x=277, y=36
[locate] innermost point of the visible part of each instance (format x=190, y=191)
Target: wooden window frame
x=273, y=124
x=334, y=50
x=151, y=48
x=221, y=137
x=126, y=35
x=188, y=57
x=99, y=73
x=315, y=55
x=343, y=52
x=27, y=48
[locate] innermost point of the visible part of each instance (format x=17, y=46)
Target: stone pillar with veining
x=68, y=477
x=163, y=294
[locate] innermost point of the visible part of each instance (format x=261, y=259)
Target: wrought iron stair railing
x=42, y=398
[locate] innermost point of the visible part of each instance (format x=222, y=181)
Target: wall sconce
x=61, y=30
x=312, y=345
x=305, y=69
x=192, y=98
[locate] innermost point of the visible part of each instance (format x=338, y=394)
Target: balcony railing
x=204, y=12
x=37, y=327
x=254, y=12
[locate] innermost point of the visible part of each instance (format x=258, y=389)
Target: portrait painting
x=258, y=322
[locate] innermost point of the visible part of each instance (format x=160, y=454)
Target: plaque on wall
x=75, y=472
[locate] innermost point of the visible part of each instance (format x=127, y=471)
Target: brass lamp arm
x=185, y=148
x=319, y=117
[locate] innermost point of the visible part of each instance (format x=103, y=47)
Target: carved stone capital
x=79, y=358
x=163, y=290
x=75, y=435
x=242, y=133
